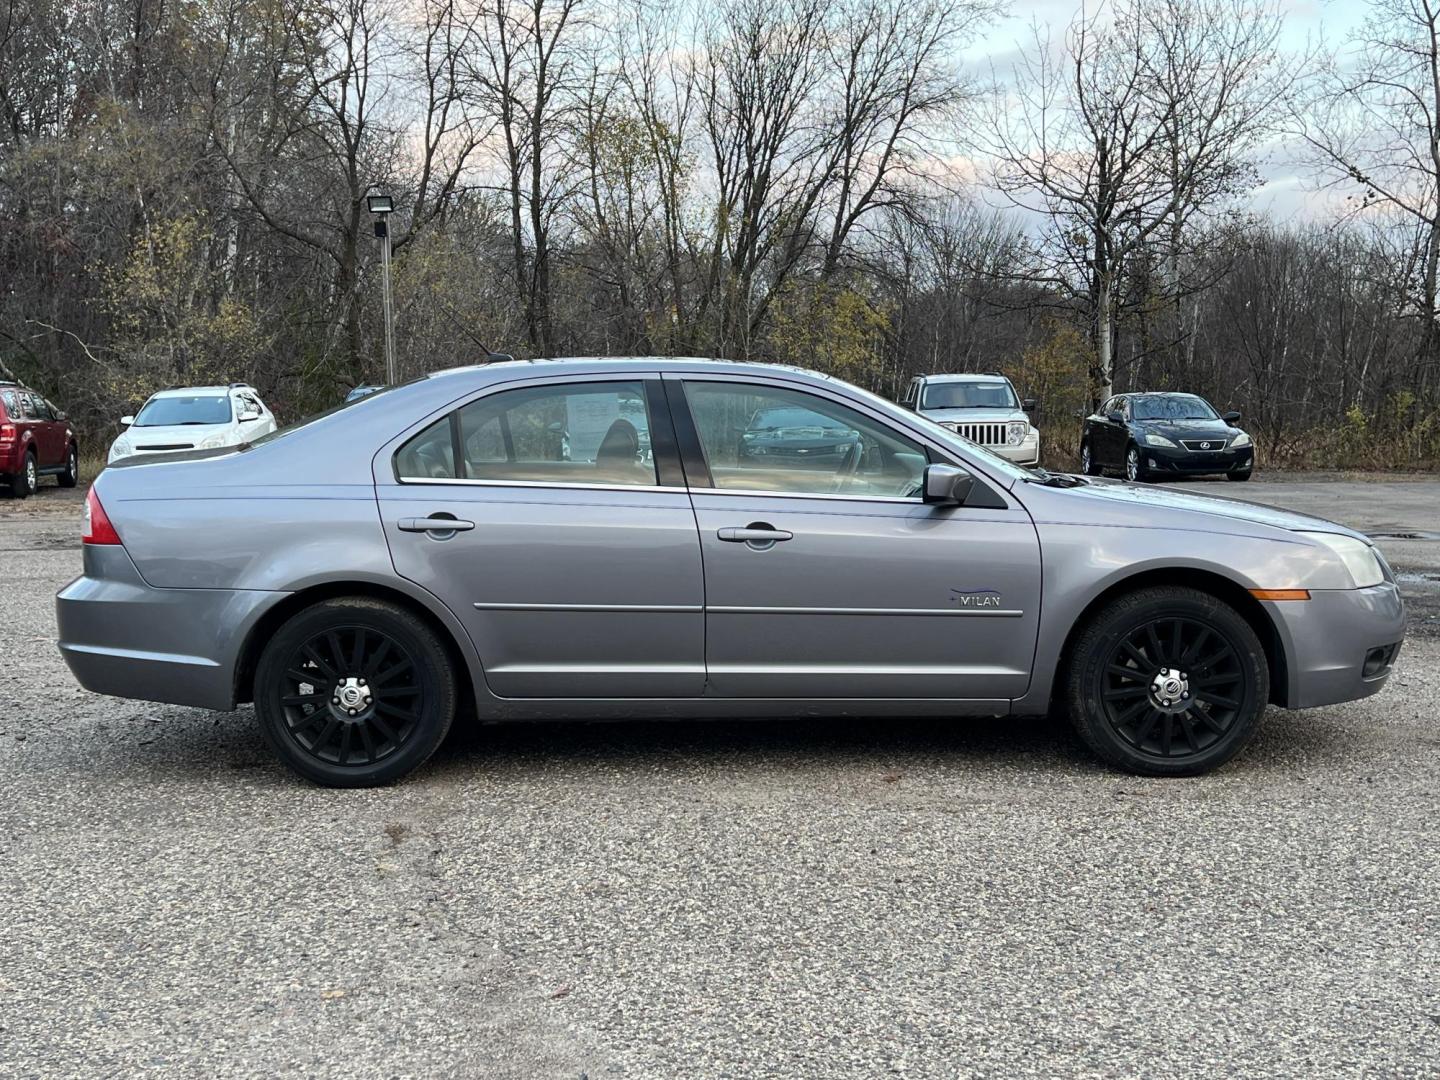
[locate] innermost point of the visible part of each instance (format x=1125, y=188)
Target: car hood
x=1190, y=429
x=1110, y=499
x=173, y=433
x=973, y=416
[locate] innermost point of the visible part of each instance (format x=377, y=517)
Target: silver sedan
x=636, y=538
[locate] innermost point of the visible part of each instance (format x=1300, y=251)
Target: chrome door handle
x=433, y=525
x=756, y=533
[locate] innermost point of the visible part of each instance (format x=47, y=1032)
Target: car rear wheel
x=22, y=484
x=1134, y=466
x=1167, y=681
x=354, y=692
x=71, y=476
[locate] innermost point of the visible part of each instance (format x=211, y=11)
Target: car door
x=574, y=560
x=1112, y=437
x=843, y=583
x=43, y=430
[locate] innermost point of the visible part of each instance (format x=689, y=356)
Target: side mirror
x=945, y=485
x=61, y=416
x=246, y=417
x=1029, y=404
x=1231, y=417
x=126, y=421
x=1115, y=417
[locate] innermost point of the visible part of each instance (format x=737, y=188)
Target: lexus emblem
x=1204, y=446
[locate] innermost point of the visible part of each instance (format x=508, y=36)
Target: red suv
x=35, y=440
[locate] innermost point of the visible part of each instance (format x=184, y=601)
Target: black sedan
x=1147, y=436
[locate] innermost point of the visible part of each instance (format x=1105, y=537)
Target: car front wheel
x=354, y=692
x=1167, y=681
x=1087, y=461
x=71, y=476
x=1134, y=466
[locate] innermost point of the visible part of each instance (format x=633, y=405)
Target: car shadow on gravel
x=183, y=741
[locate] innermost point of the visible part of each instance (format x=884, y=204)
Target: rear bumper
x=1329, y=637
x=121, y=637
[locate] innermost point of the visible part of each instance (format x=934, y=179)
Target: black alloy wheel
x=1167, y=681
x=355, y=692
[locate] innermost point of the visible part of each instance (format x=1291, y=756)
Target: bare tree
x=1141, y=122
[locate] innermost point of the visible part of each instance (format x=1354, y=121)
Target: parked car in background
x=36, y=440
x=428, y=552
x=194, y=418
x=982, y=408
x=1147, y=436
x=799, y=438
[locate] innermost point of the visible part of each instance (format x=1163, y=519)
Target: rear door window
x=577, y=433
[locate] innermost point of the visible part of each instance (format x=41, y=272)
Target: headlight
x=1015, y=432
x=1240, y=440
x=1358, y=557
x=119, y=448
x=951, y=427
x=214, y=442
x=1151, y=439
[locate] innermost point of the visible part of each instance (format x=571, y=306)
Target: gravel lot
x=718, y=900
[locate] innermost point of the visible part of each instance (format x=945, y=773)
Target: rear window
x=8, y=399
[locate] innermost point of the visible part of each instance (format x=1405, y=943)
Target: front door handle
x=760, y=535
x=434, y=525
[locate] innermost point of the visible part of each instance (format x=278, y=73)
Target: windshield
x=969, y=395
x=1172, y=407
x=770, y=419
x=174, y=409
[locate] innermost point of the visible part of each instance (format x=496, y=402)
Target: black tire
x=1238, y=477
x=393, y=666
x=1135, y=470
x=71, y=476
x=22, y=484
x=1088, y=465
x=1123, y=707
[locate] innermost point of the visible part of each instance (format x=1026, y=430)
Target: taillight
x=98, y=529
x=7, y=432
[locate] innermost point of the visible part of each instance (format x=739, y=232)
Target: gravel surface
x=799, y=899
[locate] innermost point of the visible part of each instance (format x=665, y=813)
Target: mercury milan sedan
x=432, y=550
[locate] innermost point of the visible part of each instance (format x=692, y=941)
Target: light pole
x=380, y=206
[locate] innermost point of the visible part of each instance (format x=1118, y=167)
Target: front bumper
x=1026, y=452
x=1160, y=459
x=1329, y=638
x=120, y=636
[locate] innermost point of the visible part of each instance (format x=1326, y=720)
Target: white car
x=194, y=418
x=982, y=408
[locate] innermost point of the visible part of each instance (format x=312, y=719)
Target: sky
x=1287, y=193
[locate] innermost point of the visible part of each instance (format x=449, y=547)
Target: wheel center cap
x=351, y=696
x=1170, y=690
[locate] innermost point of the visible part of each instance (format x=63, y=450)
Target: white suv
x=194, y=418
x=982, y=408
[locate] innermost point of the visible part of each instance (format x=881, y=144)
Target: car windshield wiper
x=1052, y=479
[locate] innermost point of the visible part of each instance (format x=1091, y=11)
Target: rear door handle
x=433, y=525
x=757, y=533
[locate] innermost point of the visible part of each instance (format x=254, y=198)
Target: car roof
x=592, y=364
x=182, y=391
x=965, y=376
